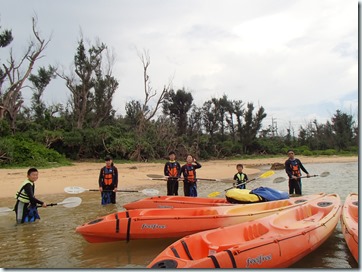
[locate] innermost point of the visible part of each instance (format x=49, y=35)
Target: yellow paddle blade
x=267, y=174
x=213, y=194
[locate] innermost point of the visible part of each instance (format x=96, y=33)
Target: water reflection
x=53, y=243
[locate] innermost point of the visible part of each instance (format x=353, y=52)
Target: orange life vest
x=172, y=171
x=295, y=169
x=190, y=173
x=108, y=175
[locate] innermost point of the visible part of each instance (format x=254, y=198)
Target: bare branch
x=11, y=100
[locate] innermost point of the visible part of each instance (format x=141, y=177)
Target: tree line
x=88, y=128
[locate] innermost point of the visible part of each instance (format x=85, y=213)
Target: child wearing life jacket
x=292, y=168
x=26, y=204
x=240, y=177
x=189, y=172
x=172, y=170
x=108, y=182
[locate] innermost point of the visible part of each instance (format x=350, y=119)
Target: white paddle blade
x=150, y=192
x=324, y=174
x=74, y=190
x=278, y=180
x=5, y=210
x=71, y=202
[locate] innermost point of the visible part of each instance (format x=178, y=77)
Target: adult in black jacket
x=292, y=168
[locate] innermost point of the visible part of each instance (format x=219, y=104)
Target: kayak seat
x=216, y=243
x=254, y=231
x=277, y=204
x=300, y=217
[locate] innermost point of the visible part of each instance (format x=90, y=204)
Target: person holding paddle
x=189, y=172
x=26, y=204
x=172, y=170
x=240, y=177
x=108, y=182
x=292, y=168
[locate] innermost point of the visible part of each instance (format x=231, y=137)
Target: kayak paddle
x=264, y=175
x=281, y=179
x=69, y=202
x=78, y=190
x=160, y=177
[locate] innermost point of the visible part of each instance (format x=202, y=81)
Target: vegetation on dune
x=86, y=128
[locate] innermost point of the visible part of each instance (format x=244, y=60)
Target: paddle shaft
x=237, y=185
x=183, y=179
x=268, y=173
x=304, y=177
x=38, y=206
x=125, y=191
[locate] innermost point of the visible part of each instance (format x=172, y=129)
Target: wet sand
x=134, y=175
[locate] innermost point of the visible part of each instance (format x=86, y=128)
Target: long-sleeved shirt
x=29, y=190
x=172, y=169
x=293, y=167
x=189, y=171
x=106, y=174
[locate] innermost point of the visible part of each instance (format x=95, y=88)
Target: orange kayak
x=275, y=241
x=349, y=222
x=161, y=202
x=168, y=223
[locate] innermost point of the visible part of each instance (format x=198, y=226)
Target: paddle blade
x=227, y=180
x=5, y=210
x=278, y=180
x=213, y=194
x=71, y=202
x=324, y=174
x=267, y=174
x=155, y=176
x=150, y=192
x=74, y=190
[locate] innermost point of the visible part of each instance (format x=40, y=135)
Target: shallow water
x=53, y=243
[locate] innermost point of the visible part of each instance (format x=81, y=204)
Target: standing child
x=172, y=170
x=189, y=172
x=240, y=177
x=26, y=203
x=108, y=182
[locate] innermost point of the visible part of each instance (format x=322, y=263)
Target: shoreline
x=134, y=175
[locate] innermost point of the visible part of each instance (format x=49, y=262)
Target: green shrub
x=20, y=152
x=307, y=153
x=328, y=152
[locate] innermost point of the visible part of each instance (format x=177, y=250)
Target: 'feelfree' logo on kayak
x=258, y=260
x=153, y=226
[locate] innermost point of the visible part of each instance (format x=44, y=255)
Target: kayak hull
x=175, y=223
x=275, y=241
x=349, y=223
x=161, y=202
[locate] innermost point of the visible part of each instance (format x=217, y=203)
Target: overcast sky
x=296, y=58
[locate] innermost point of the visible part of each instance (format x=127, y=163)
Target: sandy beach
x=134, y=175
